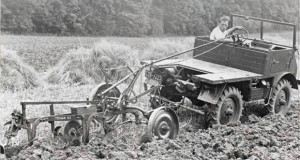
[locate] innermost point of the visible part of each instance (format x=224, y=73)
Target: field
x=40, y=68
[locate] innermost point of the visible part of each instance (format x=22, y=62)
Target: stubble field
x=61, y=68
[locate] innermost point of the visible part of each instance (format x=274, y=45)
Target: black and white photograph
x=150, y=79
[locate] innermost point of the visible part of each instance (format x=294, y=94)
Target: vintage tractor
x=216, y=81
x=223, y=76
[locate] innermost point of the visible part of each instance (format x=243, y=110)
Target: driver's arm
x=229, y=31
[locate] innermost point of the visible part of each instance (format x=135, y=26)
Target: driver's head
x=223, y=23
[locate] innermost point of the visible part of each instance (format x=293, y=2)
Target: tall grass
x=14, y=73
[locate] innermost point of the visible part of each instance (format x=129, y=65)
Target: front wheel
x=280, y=99
x=228, y=108
x=163, y=123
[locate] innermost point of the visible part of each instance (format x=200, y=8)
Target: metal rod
x=23, y=113
x=58, y=102
x=52, y=113
x=119, y=82
x=142, y=94
x=178, y=54
x=180, y=105
x=262, y=30
x=295, y=38
x=270, y=21
x=261, y=19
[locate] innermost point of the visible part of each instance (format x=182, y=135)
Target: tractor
x=215, y=83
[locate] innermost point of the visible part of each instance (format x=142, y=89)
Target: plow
x=216, y=81
x=105, y=105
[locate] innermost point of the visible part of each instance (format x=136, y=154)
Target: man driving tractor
x=221, y=31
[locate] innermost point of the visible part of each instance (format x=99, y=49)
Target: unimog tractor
x=223, y=76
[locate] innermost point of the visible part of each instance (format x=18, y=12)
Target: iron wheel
x=163, y=124
x=94, y=96
x=72, y=132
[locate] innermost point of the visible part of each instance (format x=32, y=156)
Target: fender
x=7, y=123
x=286, y=75
x=212, y=94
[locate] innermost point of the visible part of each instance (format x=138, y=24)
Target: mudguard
x=285, y=75
x=211, y=95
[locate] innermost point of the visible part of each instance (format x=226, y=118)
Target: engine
x=177, y=83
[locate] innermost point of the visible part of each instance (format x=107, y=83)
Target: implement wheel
x=72, y=132
x=163, y=123
x=115, y=93
x=228, y=108
x=280, y=100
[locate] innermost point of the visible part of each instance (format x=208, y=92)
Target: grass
x=44, y=53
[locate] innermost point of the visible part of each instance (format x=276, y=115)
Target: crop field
x=40, y=68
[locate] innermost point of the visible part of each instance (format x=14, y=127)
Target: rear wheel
x=280, y=100
x=228, y=108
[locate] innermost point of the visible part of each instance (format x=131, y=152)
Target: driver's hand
x=239, y=27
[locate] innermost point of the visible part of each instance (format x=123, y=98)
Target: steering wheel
x=239, y=36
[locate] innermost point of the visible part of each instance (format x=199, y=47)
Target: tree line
x=134, y=17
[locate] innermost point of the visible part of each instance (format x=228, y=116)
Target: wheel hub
x=227, y=111
x=280, y=101
x=164, y=128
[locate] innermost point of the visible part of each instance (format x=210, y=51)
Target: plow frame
x=105, y=105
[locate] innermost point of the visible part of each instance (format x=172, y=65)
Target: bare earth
x=267, y=137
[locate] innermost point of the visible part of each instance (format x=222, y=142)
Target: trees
x=133, y=17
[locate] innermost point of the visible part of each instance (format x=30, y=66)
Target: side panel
x=240, y=57
x=220, y=55
x=249, y=60
x=280, y=60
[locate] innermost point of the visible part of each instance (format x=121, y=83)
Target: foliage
x=133, y=17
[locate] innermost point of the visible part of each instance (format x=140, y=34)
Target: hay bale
x=160, y=48
x=14, y=73
x=83, y=66
x=71, y=69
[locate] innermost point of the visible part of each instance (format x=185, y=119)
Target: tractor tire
x=228, y=109
x=280, y=99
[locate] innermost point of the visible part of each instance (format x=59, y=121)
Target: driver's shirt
x=217, y=34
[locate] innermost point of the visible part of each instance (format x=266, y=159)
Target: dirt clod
x=269, y=137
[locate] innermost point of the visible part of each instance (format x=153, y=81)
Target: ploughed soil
x=258, y=136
